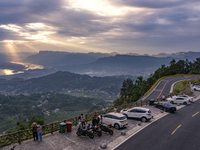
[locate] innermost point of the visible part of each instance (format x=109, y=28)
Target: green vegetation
x=178, y=86
x=22, y=126
x=182, y=87
x=140, y=87
x=62, y=81
x=49, y=106
x=91, y=94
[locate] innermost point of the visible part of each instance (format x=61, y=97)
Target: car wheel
x=144, y=119
x=126, y=115
x=172, y=102
x=184, y=103
x=116, y=126
x=195, y=89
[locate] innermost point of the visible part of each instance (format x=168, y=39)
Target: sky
x=123, y=26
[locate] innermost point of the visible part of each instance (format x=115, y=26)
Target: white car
x=115, y=119
x=191, y=99
x=137, y=112
x=178, y=100
x=196, y=88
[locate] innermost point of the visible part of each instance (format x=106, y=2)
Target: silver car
x=137, y=112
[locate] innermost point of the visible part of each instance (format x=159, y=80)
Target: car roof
x=115, y=114
x=141, y=108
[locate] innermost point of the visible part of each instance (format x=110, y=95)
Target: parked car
x=137, y=112
x=191, y=99
x=165, y=106
x=196, y=88
x=178, y=100
x=115, y=119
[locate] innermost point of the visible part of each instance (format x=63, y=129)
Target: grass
x=182, y=88
x=178, y=86
x=96, y=95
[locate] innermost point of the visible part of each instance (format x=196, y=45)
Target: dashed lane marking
x=176, y=129
x=195, y=114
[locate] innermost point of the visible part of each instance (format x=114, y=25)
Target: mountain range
x=94, y=64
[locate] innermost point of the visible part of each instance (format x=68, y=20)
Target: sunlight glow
x=8, y=72
x=41, y=35
x=101, y=7
x=35, y=25
x=28, y=65
x=12, y=27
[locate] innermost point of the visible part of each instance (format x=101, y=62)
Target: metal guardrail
x=22, y=135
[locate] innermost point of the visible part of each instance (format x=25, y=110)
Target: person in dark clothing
x=34, y=130
x=94, y=121
x=98, y=119
x=82, y=120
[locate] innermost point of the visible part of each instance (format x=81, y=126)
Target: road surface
x=176, y=131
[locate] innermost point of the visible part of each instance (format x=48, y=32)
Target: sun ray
x=12, y=48
x=32, y=48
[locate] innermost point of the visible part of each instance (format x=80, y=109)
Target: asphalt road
x=176, y=131
x=165, y=86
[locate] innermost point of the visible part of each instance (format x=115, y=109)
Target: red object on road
x=69, y=126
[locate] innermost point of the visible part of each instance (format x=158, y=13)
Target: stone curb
x=137, y=128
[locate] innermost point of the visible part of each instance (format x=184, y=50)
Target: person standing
x=104, y=110
x=79, y=121
x=101, y=119
x=82, y=120
x=115, y=109
x=34, y=130
x=39, y=133
x=94, y=121
x=163, y=97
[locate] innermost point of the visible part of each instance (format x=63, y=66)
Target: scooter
x=95, y=129
x=107, y=128
x=85, y=132
x=13, y=148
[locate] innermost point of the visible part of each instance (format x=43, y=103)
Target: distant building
x=109, y=101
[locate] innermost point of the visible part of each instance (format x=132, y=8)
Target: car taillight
x=148, y=114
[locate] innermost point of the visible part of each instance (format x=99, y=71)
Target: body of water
x=26, y=65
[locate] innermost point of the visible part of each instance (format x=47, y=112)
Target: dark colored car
x=165, y=106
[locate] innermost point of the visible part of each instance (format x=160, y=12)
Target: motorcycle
x=95, y=129
x=107, y=128
x=85, y=132
x=13, y=148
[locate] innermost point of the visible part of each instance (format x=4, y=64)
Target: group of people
x=104, y=110
x=81, y=120
x=95, y=120
x=37, y=131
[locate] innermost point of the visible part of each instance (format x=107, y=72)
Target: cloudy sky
x=124, y=26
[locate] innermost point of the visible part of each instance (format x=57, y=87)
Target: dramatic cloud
x=124, y=26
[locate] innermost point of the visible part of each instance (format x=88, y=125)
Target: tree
x=36, y=120
x=127, y=88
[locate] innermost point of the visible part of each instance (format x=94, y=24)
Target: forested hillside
x=132, y=91
x=61, y=81
x=49, y=106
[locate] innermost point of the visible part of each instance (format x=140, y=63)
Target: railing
x=22, y=135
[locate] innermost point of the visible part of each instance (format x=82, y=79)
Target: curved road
x=165, y=85
x=175, y=131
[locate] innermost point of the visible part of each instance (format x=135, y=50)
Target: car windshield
x=119, y=118
x=168, y=105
